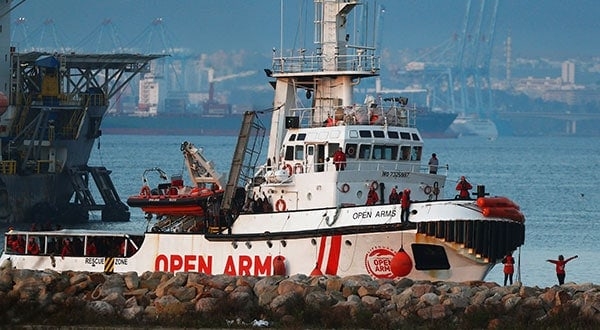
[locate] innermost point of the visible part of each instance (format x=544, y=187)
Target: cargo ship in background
x=51, y=108
x=156, y=110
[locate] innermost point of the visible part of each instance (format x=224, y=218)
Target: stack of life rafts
x=500, y=207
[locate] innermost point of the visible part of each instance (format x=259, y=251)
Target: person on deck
x=509, y=268
x=405, y=205
x=394, y=196
x=33, y=247
x=433, y=164
x=560, y=267
x=339, y=159
x=463, y=188
x=67, y=249
x=372, y=197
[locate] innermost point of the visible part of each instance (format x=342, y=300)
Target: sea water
x=554, y=180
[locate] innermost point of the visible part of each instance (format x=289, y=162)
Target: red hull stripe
x=334, y=255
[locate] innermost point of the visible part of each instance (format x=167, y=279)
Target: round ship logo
x=378, y=261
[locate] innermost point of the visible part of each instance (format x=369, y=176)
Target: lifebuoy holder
x=350, y=151
x=280, y=205
x=427, y=190
x=345, y=188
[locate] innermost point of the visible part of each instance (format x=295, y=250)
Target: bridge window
x=378, y=134
x=292, y=137
x=331, y=148
x=289, y=153
x=405, y=153
x=416, y=153
x=415, y=137
x=405, y=135
x=364, y=152
x=299, y=152
x=378, y=152
x=365, y=134
x=385, y=152
x=393, y=134
x=390, y=152
x=301, y=137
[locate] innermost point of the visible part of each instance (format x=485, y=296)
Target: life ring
x=298, y=168
x=350, y=151
x=427, y=190
x=145, y=192
x=345, y=188
x=374, y=185
x=280, y=205
x=289, y=169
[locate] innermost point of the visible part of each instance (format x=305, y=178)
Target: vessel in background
x=327, y=185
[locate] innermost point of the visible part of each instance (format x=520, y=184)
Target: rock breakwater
x=200, y=300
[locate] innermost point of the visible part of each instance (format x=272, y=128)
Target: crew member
x=463, y=188
x=433, y=164
x=339, y=159
x=405, y=205
x=33, y=247
x=372, y=197
x=394, y=196
x=509, y=268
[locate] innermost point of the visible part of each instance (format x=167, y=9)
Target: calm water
x=554, y=180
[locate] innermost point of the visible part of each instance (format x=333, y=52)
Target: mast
x=327, y=75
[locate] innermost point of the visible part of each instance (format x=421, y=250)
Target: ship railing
x=8, y=167
x=365, y=63
x=399, y=116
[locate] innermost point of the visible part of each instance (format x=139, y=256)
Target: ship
x=470, y=125
x=51, y=111
x=330, y=164
x=175, y=203
x=431, y=124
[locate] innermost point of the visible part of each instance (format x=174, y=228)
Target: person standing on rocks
x=560, y=267
x=509, y=268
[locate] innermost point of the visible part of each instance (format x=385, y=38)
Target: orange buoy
x=279, y=266
x=316, y=271
x=496, y=202
x=401, y=264
x=503, y=212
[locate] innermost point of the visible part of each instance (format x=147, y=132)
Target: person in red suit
x=463, y=188
x=560, y=267
x=509, y=268
x=405, y=205
x=33, y=247
x=372, y=197
x=339, y=159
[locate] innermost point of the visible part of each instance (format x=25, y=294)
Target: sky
x=549, y=28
